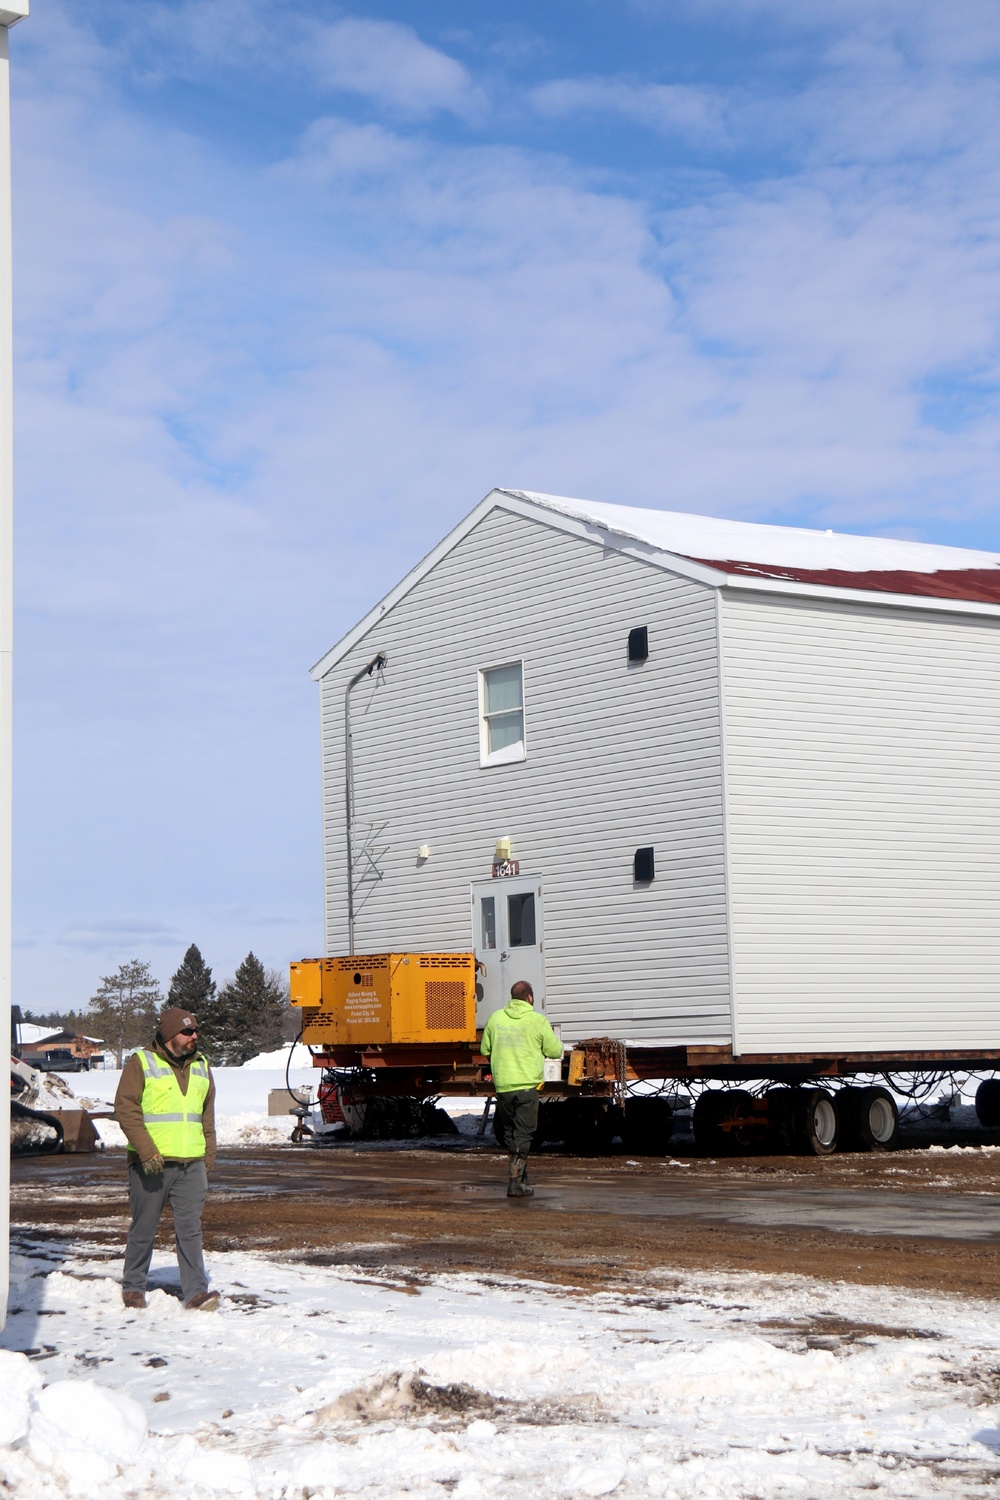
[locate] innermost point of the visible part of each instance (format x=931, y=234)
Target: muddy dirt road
x=919, y=1218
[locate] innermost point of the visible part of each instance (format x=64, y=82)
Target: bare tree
x=125, y=1007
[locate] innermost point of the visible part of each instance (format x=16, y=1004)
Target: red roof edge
x=976, y=585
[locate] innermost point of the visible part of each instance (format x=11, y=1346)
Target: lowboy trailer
x=403, y=1026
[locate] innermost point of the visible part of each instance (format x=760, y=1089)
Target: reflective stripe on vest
x=173, y=1119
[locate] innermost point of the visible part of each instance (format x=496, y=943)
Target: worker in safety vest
x=165, y=1104
x=516, y=1042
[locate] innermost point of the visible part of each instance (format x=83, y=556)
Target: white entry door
x=507, y=939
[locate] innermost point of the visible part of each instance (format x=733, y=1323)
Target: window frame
x=510, y=754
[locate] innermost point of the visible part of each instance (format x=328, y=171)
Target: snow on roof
x=29, y=1032
x=30, y=1035
x=833, y=559
x=787, y=559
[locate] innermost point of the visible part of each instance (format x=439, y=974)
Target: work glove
x=152, y=1165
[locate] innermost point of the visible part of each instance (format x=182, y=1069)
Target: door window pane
x=489, y=917
x=521, y=920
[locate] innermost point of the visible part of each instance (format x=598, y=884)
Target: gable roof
x=47, y=1037
x=737, y=554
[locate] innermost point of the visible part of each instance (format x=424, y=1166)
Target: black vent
x=644, y=865
x=638, y=643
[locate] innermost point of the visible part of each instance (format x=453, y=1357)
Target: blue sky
x=297, y=284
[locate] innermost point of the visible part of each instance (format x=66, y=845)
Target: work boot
x=133, y=1299
x=516, y=1185
x=203, y=1302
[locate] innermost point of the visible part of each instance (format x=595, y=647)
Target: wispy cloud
x=114, y=936
x=389, y=64
x=672, y=108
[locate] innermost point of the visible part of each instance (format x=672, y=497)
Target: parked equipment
x=393, y=1031
x=39, y=1130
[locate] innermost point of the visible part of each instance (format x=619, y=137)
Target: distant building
x=62, y=1051
x=29, y=1032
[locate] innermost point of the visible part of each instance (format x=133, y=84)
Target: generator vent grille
x=362, y=961
x=319, y=1018
x=445, y=1002
x=443, y=961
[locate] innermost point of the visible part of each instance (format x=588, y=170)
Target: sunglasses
x=188, y=1031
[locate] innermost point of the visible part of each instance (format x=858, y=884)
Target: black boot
x=516, y=1186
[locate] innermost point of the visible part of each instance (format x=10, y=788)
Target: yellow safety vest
x=173, y=1119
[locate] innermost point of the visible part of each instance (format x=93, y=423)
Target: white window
x=501, y=697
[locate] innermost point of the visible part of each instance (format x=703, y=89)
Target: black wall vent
x=644, y=866
x=638, y=643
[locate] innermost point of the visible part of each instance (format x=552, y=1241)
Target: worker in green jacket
x=515, y=1043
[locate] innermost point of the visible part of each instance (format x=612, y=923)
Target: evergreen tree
x=123, y=1012
x=251, y=1013
x=193, y=988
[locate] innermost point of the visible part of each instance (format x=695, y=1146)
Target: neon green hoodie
x=516, y=1040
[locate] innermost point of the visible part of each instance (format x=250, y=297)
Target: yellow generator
x=381, y=999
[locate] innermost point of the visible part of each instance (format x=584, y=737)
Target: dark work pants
x=182, y=1184
x=516, y=1120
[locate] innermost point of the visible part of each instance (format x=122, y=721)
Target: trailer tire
x=869, y=1119
x=712, y=1108
x=988, y=1103
x=589, y=1127
x=816, y=1121
x=649, y=1124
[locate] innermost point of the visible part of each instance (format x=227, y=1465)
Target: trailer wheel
x=711, y=1109
x=589, y=1126
x=649, y=1124
x=816, y=1121
x=988, y=1103
x=869, y=1119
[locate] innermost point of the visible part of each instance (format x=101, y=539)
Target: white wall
x=863, y=793
x=617, y=758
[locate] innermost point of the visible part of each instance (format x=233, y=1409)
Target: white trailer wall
x=617, y=758
x=863, y=796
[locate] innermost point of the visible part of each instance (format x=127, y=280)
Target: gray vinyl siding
x=863, y=797
x=617, y=758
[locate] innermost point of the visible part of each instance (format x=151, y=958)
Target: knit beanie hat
x=174, y=1020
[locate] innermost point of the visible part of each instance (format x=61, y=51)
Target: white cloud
x=388, y=63
x=251, y=395
x=673, y=108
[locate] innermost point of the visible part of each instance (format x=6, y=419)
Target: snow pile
x=84, y=1433
x=324, y=1381
x=301, y=1058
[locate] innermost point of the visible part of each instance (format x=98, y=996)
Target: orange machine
x=383, y=999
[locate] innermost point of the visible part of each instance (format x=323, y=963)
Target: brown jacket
x=128, y=1105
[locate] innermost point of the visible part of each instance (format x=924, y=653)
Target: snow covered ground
x=322, y=1381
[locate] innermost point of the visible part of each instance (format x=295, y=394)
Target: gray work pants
x=516, y=1120
x=182, y=1184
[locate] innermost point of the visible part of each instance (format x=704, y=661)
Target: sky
x=297, y=284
